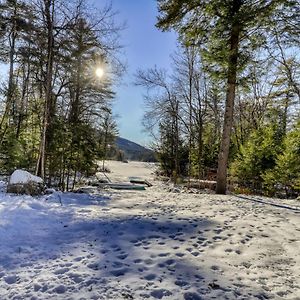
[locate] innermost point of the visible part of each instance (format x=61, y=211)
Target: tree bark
x=49, y=106
x=229, y=106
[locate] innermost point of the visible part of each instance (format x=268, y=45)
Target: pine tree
x=257, y=156
x=14, y=20
x=227, y=32
x=286, y=172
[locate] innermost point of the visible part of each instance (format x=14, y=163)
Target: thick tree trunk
x=49, y=105
x=229, y=106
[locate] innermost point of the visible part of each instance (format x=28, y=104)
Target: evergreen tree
x=227, y=33
x=287, y=169
x=107, y=135
x=15, y=23
x=257, y=156
x=57, y=101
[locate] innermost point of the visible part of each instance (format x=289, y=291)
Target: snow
x=151, y=244
x=22, y=176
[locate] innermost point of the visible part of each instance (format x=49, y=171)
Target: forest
x=230, y=108
x=229, y=111
x=61, y=60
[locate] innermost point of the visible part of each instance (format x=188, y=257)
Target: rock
x=49, y=191
x=23, y=182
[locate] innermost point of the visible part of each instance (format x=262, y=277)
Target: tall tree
x=48, y=8
x=56, y=104
x=162, y=109
x=227, y=32
x=14, y=22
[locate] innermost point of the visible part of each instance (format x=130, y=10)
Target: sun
x=99, y=72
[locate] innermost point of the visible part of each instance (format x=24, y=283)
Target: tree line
x=56, y=115
x=231, y=102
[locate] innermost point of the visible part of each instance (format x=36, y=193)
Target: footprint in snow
x=179, y=254
x=75, y=277
x=228, y=250
x=217, y=237
x=160, y=293
x=198, y=277
x=61, y=271
x=181, y=283
x=119, y=272
x=141, y=270
x=61, y=289
x=163, y=254
x=11, y=279
x=79, y=258
x=170, y=262
x=36, y=287
x=122, y=256
x=117, y=264
x=150, y=277
x=93, y=266
x=149, y=261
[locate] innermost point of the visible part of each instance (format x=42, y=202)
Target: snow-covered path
x=152, y=244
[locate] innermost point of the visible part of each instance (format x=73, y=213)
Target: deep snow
x=153, y=244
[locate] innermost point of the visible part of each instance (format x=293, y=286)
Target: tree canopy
x=227, y=34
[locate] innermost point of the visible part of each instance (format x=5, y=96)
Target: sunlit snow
x=153, y=244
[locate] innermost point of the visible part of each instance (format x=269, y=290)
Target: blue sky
x=145, y=46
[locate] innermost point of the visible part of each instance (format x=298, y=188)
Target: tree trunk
x=10, y=89
x=200, y=147
x=75, y=103
x=229, y=106
x=49, y=109
x=25, y=84
x=177, y=169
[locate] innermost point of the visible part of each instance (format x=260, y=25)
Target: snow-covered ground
x=153, y=244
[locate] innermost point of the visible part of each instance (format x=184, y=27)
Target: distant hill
x=134, y=151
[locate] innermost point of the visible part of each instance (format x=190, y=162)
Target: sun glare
x=99, y=72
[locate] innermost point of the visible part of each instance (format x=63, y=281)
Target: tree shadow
x=125, y=256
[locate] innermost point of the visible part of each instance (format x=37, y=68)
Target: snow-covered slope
x=153, y=244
